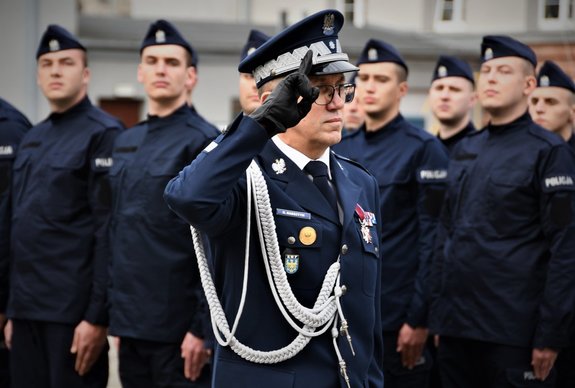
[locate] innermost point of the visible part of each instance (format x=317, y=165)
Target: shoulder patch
x=104, y=119
x=431, y=175
x=559, y=182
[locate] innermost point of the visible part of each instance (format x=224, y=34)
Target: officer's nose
x=160, y=67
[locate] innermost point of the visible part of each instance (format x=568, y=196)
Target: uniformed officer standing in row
x=60, y=205
x=248, y=92
x=504, y=266
x=452, y=97
x=318, y=219
x=552, y=105
x=410, y=166
x=157, y=307
x=13, y=126
x=353, y=115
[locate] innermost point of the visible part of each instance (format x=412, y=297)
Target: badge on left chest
x=291, y=261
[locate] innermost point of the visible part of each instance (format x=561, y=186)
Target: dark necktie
x=318, y=170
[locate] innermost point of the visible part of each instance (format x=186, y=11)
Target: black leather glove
x=281, y=109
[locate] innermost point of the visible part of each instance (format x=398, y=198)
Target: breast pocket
x=396, y=194
x=304, y=256
x=510, y=199
x=158, y=173
x=66, y=184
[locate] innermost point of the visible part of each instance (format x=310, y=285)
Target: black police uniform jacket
x=60, y=209
x=410, y=166
x=155, y=287
x=13, y=126
x=211, y=195
x=504, y=265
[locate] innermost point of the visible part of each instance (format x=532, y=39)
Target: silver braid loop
x=314, y=321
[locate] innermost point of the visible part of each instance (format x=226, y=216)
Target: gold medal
x=307, y=235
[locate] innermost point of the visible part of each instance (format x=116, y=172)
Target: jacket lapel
x=348, y=192
x=297, y=184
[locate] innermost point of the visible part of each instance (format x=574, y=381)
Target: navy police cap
x=380, y=51
x=551, y=75
x=448, y=66
x=57, y=38
x=497, y=46
x=163, y=32
x=255, y=40
x=282, y=53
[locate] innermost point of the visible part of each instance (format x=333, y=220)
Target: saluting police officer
x=451, y=97
x=155, y=294
x=410, y=166
x=552, y=105
x=60, y=205
x=248, y=92
x=504, y=266
x=307, y=310
x=13, y=126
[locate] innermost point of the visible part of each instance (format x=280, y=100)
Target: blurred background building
x=112, y=30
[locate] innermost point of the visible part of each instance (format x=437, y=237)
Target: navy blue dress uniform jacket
x=13, y=126
x=504, y=266
x=155, y=291
x=410, y=167
x=211, y=195
x=61, y=203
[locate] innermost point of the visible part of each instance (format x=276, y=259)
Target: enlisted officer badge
x=442, y=71
x=54, y=45
x=372, y=54
x=544, y=81
x=160, y=36
x=279, y=166
x=366, y=220
x=328, y=24
x=488, y=54
x=291, y=263
x=251, y=50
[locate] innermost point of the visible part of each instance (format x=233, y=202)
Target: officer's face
x=322, y=126
x=379, y=88
x=63, y=77
x=353, y=116
x=451, y=98
x=552, y=108
x=165, y=74
x=249, y=98
x=504, y=84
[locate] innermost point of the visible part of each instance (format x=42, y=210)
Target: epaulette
x=198, y=122
x=545, y=135
x=351, y=161
x=103, y=118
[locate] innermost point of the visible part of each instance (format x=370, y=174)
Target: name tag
x=293, y=214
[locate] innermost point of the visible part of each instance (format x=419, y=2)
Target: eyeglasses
x=326, y=93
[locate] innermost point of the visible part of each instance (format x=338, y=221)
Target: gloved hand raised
x=281, y=110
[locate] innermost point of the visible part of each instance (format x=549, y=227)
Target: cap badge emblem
x=160, y=36
x=544, y=81
x=488, y=54
x=251, y=50
x=54, y=45
x=442, y=71
x=372, y=54
x=328, y=24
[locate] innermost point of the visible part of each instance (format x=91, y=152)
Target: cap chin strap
x=314, y=321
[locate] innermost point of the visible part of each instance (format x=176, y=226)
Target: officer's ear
x=192, y=78
x=403, y=89
x=86, y=76
x=530, y=85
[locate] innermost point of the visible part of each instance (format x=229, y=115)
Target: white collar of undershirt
x=298, y=158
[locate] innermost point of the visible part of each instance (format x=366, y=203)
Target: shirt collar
x=298, y=158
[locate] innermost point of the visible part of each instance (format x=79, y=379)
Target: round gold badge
x=307, y=235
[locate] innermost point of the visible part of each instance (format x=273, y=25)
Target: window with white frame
x=556, y=14
x=353, y=11
x=449, y=15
